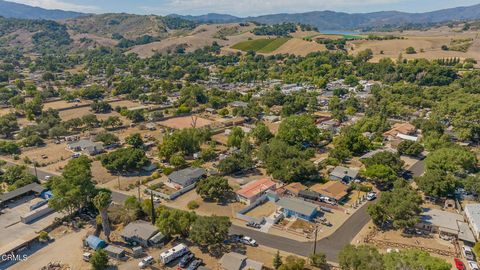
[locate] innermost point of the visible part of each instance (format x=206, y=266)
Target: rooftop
x=139, y=229
x=182, y=177
x=473, y=210
x=403, y=128
x=341, y=172
x=332, y=189
x=255, y=187
x=442, y=219
x=33, y=187
x=297, y=205
x=295, y=187
x=237, y=261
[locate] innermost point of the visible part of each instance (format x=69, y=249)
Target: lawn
x=261, y=45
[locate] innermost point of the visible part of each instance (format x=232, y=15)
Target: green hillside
x=262, y=45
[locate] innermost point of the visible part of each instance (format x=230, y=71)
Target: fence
x=241, y=213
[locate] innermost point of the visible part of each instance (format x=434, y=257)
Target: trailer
x=173, y=253
x=36, y=214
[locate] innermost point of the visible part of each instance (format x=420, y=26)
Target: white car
x=473, y=265
x=371, y=196
x=249, y=241
x=145, y=262
x=76, y=155
x=468, y=253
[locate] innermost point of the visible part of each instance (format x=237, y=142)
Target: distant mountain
x=209, y=18
x=331, y=20
x=21, y=11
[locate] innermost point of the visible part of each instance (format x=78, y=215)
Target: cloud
x=256, y=7
x=58, y=4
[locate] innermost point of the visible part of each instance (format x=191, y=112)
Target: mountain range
x=21, y=11
x=323, y=20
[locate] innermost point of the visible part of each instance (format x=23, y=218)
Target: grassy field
x=261, y=45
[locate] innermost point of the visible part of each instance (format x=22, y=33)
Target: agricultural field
x=261, y=45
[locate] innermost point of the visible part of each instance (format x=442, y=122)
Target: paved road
x=330, y=245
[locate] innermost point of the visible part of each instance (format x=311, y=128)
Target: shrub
x=192, y=205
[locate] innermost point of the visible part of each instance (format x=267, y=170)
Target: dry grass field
x=185, y=122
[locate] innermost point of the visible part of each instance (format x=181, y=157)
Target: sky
x=243, y=7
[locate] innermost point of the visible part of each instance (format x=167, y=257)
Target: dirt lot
x=79, y=112
x=263, y=210
x=54, y=153
x=62, y=104
x=185, y=122
x=299, y=46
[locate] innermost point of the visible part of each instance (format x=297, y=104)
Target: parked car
x=371, y=196
x=195, y=264
x=253, y=225
x=186, y=259
x=76, y=155
x=473, y=265
x=249, y=241
x=145, y=262
x=468, y=253
x=459, y=264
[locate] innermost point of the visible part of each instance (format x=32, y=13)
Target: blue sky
x=243, y=7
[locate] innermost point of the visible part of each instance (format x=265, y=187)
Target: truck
x=173, y=253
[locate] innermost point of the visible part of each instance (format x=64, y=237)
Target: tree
x=318, y=260
x=101, y=107
x=277, y=260
x=299, y=130
x=8, y=124
x=112, y=121
x=451, y=159
x=386, y=158
x=360, y=258
x=211, y=230
x=213, y=188
x=74, y=189
x=413, y=259
x=236, y=162
x=186, y=141
x=99, y=260
x=380, y=174
x=17, y=176
x=410, y=50
x=437, y=183
x=102, y=201
x=135, y=140
x=352, y=139
x=90, y=121
x=261, y=133
x=177, y=160
x=292, y=263
x=124, y=160
x=235, y=137
x=9, y=148
x=107, y=138
x=172, y=222
x=410, y=148
x=400, y=207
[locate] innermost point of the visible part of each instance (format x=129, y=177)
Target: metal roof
x=139, y=229
x=297, y=205
x=33, y=187
x=182, y=177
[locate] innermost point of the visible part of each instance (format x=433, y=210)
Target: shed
x=143, y=233
x=94, y=242
x=115, y=252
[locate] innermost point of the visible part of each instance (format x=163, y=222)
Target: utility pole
x=118, y=180
x=315, y=243
x=35, y=168
x=138, y=189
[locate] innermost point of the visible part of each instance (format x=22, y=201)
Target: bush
x=192, y=205
x=410, y=50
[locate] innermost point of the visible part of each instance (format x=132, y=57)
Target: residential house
x=142, y=233
x=115, y=252
x=344, y=174
x=250, y=192
x=86, y=146
x=472, y=214
x=405, y=131
x=293, y=189
x=237, y=261
x=295, y=207
x=445, y=223
x=186, y=177
x=334, y=190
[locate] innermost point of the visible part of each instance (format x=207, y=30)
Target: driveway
x=331, y=245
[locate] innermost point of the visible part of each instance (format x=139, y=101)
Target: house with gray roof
x=186, y=177
x=445, y=223
x=237, y=261
x=344, y=174
x=86, y=146
x=472, y=214
x=295, y=207
x=142, y=233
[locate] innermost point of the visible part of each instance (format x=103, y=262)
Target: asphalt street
x=331, y=245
